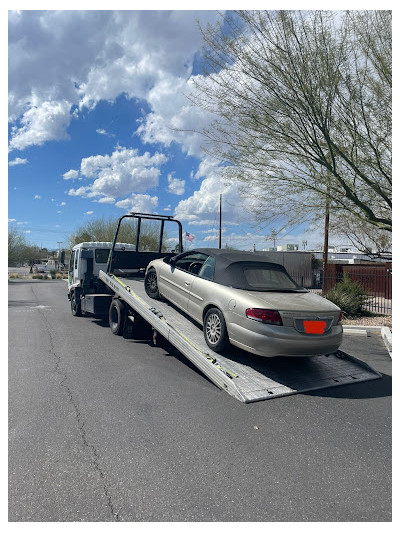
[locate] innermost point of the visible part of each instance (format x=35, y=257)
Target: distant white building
x=287, y=248
x=283, y=248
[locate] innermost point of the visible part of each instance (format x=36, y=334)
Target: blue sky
x=96, y=102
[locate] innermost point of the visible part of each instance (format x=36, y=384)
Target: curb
x=387, y=338
x=384, y=331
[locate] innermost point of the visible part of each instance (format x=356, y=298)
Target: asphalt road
x=105, y=429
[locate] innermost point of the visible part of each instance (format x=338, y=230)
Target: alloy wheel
x=213, y=328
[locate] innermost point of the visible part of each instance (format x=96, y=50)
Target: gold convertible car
x=241, y=298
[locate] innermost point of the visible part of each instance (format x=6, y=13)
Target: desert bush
x=349, y=295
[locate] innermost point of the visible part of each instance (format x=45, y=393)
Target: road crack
x=95, y=462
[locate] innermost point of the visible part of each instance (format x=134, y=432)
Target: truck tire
x=151, y=284
x=116, y=317
x=215, y=332
x=75, y=305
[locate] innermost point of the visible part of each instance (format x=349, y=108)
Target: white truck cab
x=95, y=252
x=86, y=261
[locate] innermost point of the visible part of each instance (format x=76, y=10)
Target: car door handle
x=187, y=283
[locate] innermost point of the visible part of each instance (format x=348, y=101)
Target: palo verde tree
x=302, y=106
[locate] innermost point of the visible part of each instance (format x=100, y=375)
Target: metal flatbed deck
x=245, y=376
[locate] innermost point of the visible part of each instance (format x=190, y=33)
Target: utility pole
x=220, y=221
x=326, y=234
x=272, y=237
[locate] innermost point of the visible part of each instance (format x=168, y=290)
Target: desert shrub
x=13, y=276
x=39, y=276
x=349, y=295
x=53, y=274
x=59, y=275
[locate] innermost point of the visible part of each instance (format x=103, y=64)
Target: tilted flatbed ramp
x=247, y=377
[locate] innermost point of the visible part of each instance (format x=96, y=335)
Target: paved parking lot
x=108, y=429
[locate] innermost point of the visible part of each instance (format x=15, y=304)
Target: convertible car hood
x=291, y=301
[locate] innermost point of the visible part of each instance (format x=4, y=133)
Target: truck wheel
x=116, y=317
x=75, y=305
x=151, y=284
x=215, y=332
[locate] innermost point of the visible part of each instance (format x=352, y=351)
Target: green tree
x=103, y=230
x=349, y=295
x=17, y=245
x=19, y=250
x=302, y=106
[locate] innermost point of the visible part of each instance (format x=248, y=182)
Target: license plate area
x=313, y=326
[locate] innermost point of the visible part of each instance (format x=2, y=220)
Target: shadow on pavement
x=377, y=388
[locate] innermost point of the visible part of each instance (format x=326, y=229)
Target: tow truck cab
x=144, y=237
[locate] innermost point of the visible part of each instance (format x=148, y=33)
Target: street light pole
x=59, y=253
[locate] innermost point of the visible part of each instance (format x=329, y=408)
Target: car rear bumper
x=272, y=341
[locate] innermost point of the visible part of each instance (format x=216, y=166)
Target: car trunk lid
x=305, y=311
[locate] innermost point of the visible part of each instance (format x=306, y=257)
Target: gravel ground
x=369, y=321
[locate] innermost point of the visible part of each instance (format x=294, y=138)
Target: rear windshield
x=261, y=278
x=258, y=276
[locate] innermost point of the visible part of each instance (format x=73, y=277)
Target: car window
x=101, y=255
x=262, y=278
x=207, y=270
x=191, y=263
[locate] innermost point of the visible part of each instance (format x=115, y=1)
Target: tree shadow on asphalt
x=378, y=388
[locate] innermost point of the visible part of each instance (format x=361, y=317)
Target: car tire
x=151, y=284
x=75, y=305
x=116, y=317
x=215, y=331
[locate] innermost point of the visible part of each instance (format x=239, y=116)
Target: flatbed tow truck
x=115, y=287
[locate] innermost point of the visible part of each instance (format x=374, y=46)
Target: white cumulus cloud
x=106, y=200
x=118, y=174
x=45, y=122
x=17, y=161
x=202, y=207
x=71, y=175
x=139, y=203
x=176, y=186
x=62, y=61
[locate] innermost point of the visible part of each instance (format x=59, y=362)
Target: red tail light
x=266, y=316
x=340, y=317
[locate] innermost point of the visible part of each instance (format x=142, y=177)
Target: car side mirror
x=172, y=261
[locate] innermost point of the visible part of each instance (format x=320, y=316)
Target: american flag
x=188, y=236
